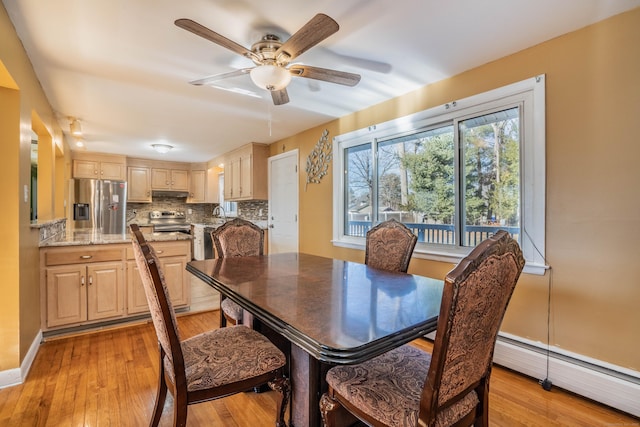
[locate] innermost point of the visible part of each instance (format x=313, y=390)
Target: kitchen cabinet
x=169, y=179
x=173, y=257
x=245, y=173
x=83, y=284
x=100, y=167
x=197, y=187
x=139, y=184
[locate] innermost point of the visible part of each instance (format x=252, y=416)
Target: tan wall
x=593, y=170
x=22, y=99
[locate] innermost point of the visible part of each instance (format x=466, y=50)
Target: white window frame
x=530, y=95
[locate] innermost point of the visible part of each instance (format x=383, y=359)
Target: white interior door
x=283, y=202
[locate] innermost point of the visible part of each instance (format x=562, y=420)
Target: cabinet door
x=139, y=184
x=198, y=187
x=111, y=170
x=85, y=169
x=66, y=295
x=160, y=179
x=246, y=176
x=175, y=274
x=180, y=180
x=105, y=291
x=136, y=298
x=236, y=179
x=227, y=180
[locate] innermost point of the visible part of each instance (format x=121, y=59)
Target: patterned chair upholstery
x=450, y=386
x=389, y=246
x=236, y=238
x=208, y=366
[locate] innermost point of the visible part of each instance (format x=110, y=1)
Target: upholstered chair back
x=162, y=313
x=476, y=294
x=389, y=246
x=238, y=237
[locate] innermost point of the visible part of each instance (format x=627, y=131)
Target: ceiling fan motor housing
x=265, y=51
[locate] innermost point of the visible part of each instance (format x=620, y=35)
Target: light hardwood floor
x=108, y=378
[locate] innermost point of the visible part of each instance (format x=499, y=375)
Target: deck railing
x=439, y=233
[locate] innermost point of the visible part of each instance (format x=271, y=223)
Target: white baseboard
x=600, y=381
x=16, y=376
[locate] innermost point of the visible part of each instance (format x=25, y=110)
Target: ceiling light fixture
x=162, y=148
x=270, y=77
x=75, y=127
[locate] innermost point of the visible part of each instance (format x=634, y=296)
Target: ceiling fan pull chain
x=269, y=113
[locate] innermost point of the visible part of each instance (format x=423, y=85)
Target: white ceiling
x=123, y=67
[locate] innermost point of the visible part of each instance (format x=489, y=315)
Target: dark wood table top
x=338, y=311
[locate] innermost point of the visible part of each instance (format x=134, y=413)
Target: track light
x=76, y=128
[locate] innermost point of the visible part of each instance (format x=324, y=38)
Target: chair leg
x=161, y=395
x=333, y=413
x=179, y=410
x=223, y=319
x=283, y=386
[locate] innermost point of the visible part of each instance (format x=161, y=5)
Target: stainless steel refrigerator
x=98, y=205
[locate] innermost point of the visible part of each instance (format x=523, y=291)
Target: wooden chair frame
x=498, y=248
x=178, y=384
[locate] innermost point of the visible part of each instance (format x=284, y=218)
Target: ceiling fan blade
x=216, y=77
x=204, y=32
x=313, y=32
x=324, y=74
x=280, y=97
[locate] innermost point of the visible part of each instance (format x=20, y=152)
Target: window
x=454, y=174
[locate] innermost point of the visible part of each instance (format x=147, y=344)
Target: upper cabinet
x=169, y=179
x=139, y=184
x=99, y=166
x=245, y=173
x=203, y=183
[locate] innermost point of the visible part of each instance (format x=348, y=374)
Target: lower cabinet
x=84, y=292
x=173, y=258
x=94, y=283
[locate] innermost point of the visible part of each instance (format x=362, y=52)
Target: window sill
x=442, y=256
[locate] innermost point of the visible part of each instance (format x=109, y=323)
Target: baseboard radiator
x=608, y=384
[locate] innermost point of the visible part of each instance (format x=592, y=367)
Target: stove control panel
x=167, y=215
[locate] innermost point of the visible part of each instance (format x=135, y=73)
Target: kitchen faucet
x=216, y=212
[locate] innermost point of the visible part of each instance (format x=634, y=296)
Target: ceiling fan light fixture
x=162, y=148
x=270, y=77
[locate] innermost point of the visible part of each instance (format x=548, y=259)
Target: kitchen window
x=454, y=174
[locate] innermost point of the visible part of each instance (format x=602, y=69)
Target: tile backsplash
x=255, y=210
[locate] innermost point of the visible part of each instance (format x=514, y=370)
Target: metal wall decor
x=318, y=160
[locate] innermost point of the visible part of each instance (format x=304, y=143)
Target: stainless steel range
x=169, y=221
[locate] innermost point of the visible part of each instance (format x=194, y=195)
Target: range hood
x=170, y=193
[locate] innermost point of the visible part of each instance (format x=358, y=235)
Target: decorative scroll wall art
x=318, y=160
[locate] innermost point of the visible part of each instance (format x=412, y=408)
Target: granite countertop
x=88, y=237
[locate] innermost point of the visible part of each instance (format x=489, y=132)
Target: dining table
x=324, y=312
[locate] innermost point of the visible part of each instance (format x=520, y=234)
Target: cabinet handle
x=90, y=280
x=82, y=281
x=86, y=256
x=159, y=252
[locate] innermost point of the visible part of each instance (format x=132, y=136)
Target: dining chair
x=236, y=238
x=389, y=246
x=450, y=386
x=208, y=366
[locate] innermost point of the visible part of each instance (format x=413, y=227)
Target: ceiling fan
x=273, y=70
